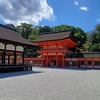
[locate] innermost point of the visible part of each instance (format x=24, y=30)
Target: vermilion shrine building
x=54, y=46
x=57, y=49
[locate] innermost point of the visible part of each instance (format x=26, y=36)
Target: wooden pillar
x=8, y=59
x=38, y=61
x=47, y=60
x=2, y=58
x=78, y=61
x=63, y=59
x=15, y=56
x=56, y=59
x=42, y=60
x=85, y=62
x=4, y=54
x=23, y=56
x=99, y=62
x=92, y=63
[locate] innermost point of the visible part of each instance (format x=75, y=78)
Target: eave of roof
x=11, y=35
x=83, y=55
x=53, y=36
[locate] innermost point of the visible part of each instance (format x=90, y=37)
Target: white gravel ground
x=50, y=84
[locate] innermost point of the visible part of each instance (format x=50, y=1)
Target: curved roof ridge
x=54, y=36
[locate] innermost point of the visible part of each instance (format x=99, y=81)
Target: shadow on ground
x=15, y=74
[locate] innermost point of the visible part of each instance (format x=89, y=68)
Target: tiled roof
x=83, y=55
x=53, y=36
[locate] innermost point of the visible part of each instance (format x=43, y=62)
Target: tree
x=24, y=30
x=44, y=29
x=97, y=27
x=80, y=35
x=95, y=40
x=95, y=48
x=32, y=37
x=61, y=28
x=11, y=25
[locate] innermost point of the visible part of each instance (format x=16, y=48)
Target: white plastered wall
x=10, y=47
x=1, y=46
x=19, y=48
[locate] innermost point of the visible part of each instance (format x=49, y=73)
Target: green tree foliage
x=34, y=34
x=61, y=28
x=80, y=35
x=11, y=25
x=95, y=48
x=31, y=32
x=95, y=40
x=97, y=28
x=44, y=29
x=24, y=30
x=32, y=37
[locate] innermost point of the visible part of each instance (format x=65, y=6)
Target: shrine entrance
x=54, y=46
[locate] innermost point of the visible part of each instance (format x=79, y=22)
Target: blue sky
x=78, y=13
x=69, y=12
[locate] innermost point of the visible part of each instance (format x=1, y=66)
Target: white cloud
x=28, y=11
x=98, y=19
x=76, y=3
x=84, y=8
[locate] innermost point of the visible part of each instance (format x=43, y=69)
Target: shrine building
x=57, y=49
x=12, y=47
x=54, y=46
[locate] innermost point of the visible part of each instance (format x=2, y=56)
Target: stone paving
x=50, y=84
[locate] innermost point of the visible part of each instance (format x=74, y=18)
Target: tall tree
x=24, y=30
x=95, y=39
x=79, y=34
x=62, y=27
x=11, y=25
x=44, y=29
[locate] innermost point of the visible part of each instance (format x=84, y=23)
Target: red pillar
x=47, y=60
x=78, y=61
x=63, y=59
x=56, y=59
x=85, y=63
x=92, y=63
x=42, y=60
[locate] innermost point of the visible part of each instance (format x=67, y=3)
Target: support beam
x=85, y=62
x=8, y=59
x=42, y=60
x=2, y=59
x=56, y=59
x=4, y=54
x=23, y=56
x=63, y=60
x=92, y=62
x=15, y=56
x=47, y=60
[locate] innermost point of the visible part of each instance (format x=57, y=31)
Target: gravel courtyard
x=50, y=84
